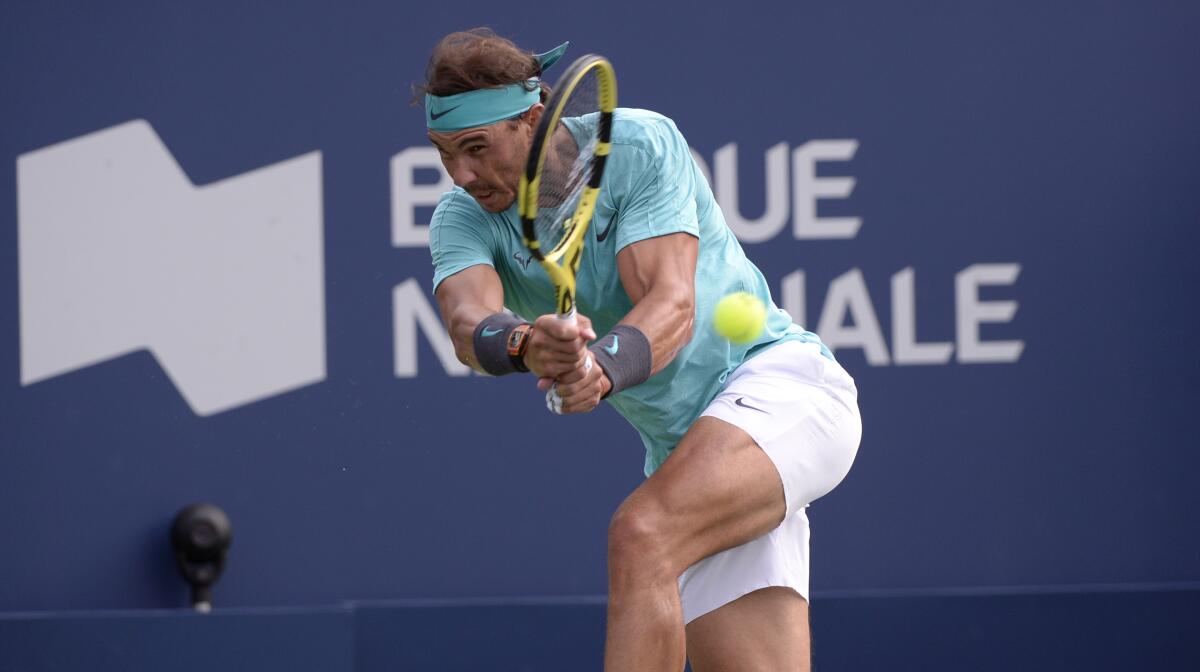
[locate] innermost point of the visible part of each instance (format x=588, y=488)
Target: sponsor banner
x=217, y=277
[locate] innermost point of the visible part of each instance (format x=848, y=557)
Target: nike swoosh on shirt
x=741, y=401
x=438, y=115
x=488, y=331
x=601, y=235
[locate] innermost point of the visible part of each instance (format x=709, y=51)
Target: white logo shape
x=222, y=283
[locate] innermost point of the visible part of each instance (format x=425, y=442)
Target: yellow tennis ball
x=740, y=317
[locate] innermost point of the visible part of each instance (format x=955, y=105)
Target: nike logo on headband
x=438, y=115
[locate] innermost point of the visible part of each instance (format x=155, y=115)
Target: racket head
x=562, y=178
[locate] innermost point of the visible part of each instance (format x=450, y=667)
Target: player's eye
x=476, y=149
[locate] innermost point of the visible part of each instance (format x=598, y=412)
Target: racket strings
x=568, y=162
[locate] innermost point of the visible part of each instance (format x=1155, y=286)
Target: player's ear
x=534, y=115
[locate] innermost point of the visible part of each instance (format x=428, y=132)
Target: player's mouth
x=487, y=197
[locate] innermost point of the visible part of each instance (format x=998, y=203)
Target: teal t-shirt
x=651, y=187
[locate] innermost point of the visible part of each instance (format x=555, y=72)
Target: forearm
x=465, y=299
x=461, y=325
x=659, y=276
x=665, y=316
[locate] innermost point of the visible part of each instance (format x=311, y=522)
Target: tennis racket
x=561, y=184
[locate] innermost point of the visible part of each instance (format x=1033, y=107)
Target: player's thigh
x=802, y=409
x=766, y=630
x=717, y=490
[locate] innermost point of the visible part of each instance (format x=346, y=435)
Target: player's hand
x=557, y=347
x=580, y=390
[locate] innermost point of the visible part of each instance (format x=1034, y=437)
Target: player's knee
x=635, y=543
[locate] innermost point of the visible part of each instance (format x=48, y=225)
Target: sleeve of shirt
x=458, y=238
x=657, y=181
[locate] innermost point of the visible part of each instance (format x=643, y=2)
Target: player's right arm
x=475, y=293
x=465, y=299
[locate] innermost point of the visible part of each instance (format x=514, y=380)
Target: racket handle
x=569, y=318
x=553, y=400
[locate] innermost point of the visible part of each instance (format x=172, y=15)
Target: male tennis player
x=739, y=438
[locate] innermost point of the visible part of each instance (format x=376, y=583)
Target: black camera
x=201, y=536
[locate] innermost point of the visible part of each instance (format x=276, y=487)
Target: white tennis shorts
x=802, y=409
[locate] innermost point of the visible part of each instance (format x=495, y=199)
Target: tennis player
x=709, y=556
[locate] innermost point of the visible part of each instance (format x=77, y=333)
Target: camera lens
x=203, y=535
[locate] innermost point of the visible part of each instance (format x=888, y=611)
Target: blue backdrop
x=1023, y=175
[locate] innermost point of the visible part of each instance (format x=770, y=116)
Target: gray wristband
x=624, y=355
x=491, y=342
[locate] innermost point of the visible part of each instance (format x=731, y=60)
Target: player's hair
x=477, y=59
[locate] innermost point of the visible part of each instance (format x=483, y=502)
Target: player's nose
x=462, y=176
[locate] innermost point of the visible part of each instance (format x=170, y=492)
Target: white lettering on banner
x=775, y=218
x=411, y=309
x=849, y=319
x=904, y=325
x=848, y=296
x=222, y=283
x=971, y=312
x=407, y=195
x=807, y=188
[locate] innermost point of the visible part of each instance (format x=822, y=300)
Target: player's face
x=488, y=161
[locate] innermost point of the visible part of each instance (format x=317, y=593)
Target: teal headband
x=483, y=107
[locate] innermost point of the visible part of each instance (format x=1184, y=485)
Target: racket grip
x=553, y=400
x=569, y=318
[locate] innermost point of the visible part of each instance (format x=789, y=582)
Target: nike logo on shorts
x=741, y=401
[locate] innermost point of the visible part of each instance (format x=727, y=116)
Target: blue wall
x=1055, y=141
x=1066, y=630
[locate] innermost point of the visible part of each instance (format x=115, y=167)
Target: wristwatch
x=518, y=339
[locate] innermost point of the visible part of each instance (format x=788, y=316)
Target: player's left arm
x=659, y=275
